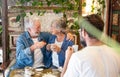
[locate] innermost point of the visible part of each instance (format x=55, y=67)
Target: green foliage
x=98, y=10
x=23, y=1
x=31, y=13
x=34, y=3
x=66, y=5
x=74, y=26
x=101, y=3
x=42, y=13
x=0, y=29
x=18, y=18
x=48, y=2
x=84, y=4
x=39, y=12
x=23, y=14
x=57, y=10
x=75, y=14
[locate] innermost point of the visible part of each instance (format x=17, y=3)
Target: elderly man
x=96, y=59
x=31, y=46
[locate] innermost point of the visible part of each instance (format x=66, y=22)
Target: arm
x=64, y=47
x=24, y=55
x=45, y=36
x=72, y=68
x=69, y=52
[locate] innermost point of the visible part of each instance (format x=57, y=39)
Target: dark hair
x=96, y=21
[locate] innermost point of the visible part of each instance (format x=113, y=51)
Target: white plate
x=39, y=69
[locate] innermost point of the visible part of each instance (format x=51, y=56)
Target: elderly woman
x=58, y=44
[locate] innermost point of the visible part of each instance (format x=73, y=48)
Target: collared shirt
x=94, y=61
x=24, y=56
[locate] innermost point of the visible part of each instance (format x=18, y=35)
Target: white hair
x=29, y=22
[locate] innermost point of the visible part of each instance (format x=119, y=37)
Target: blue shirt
x=24, y=56
x=61, y=54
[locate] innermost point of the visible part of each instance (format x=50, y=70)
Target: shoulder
x=53, y=36
x=45, y=33
x=66, y=40
x=24, y=35
x=82, y=54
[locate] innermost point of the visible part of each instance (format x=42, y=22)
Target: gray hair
x=29, y=23
x=60, y=24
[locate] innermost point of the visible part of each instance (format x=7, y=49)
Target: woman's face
x=54, y=29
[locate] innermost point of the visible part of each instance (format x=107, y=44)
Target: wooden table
x=20, y=73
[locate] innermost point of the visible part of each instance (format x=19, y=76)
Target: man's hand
x=37, y=45
x=69, y=52
x=40, y=44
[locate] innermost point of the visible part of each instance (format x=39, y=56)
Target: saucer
x=38, y=69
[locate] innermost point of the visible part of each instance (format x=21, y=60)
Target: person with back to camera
x=96, y=59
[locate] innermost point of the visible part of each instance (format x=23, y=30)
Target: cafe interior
x=15, y=13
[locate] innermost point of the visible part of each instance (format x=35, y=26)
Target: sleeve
x=63, y=51
x=72, y=68
x=47, y=54
x=65, y=46
x=23, y=54
x=44, y=36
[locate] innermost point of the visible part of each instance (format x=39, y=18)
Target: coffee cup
x=75, y=48
x=28, y=71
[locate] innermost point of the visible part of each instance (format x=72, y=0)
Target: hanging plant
x=97, y=6
x=0, y=29
x=73, y=25
x=64, y=5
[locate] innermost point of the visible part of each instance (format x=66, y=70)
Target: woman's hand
x=55, y=48
x=48, y=47
x=70, y=36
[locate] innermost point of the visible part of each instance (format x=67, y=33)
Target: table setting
x=35, y=72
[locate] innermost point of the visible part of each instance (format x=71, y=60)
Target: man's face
x=82, y=40
x=36, y=28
